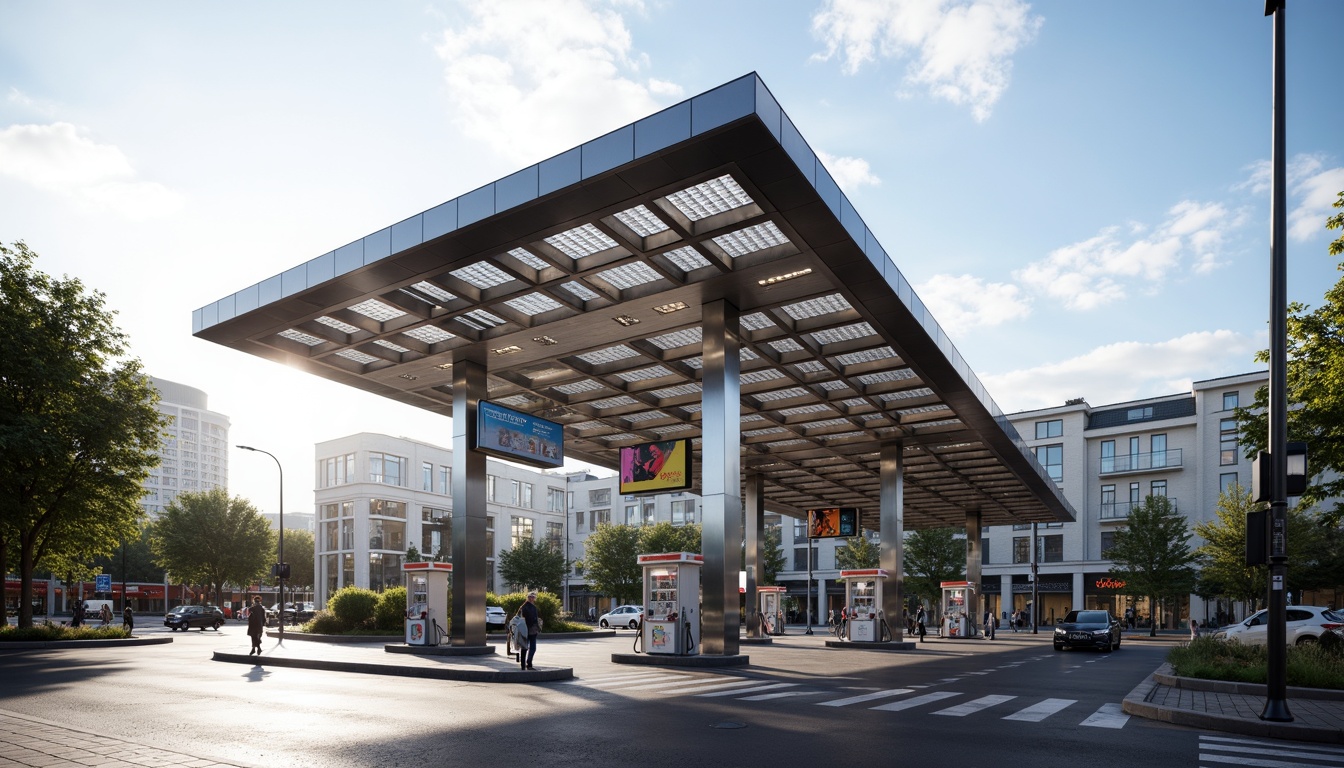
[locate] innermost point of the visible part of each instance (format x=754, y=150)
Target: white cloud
x=961, y=303
x=530, y=78
x=1316, y=195
x=1104, y=268
x=849, y=173
x=1126, y=371
x=56, y=158
x=24, y=101
x=959, y=50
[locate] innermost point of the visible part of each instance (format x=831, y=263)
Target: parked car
x=1088, y=629
x=184, y=617
x=622, y=616
x=494, y=616
x=295, y=613
x=1306, y=624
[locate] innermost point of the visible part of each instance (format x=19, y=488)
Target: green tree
x=299, y=555
x=666, y=537
x=78, y=428
x=859, y=552
x=932, y=556
x=139, y=560
x=610, y=562
x=1152, y=553
x=773, y=560
x=532, y=565
x=207, y=538
x=1315, y=379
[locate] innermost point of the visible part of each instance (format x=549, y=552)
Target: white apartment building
x=195, y=453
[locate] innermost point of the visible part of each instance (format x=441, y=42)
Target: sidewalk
x=439, y=663
x=31, y=741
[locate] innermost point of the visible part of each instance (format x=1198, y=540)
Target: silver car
x=1306, y=624
x=623, y=616
x=494, y=616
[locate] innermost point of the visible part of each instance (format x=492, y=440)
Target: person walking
x=256, y=624
x=105, y=615
x=77, y=619
x=128, y=618
x=989, y=624
x=533, y=619
x=921, y=619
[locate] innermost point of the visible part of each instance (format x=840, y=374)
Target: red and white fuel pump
x=671, y=603
x=426, y=601
x=863, y=602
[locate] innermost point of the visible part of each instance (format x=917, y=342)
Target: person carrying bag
x=517, y=641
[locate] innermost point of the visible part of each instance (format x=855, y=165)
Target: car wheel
x=634, y=624
x=1307, y=640
x=604, y=624
x=1109, y=647
x=217, y=624
x=1058, y=647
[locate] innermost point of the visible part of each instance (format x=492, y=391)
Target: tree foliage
x=207, y=538
x=1315, y=378
x=532, y=565
x=773, y=560
x=930, y=557
x=139, y=560
x=858, y=552
x=299, y=555
x=666, y=537
x=1152, y=553
x=610, y=562
x=78, y=428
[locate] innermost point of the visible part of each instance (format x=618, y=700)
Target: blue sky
x=1078, y=190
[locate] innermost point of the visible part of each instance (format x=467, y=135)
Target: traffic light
x=280, y=570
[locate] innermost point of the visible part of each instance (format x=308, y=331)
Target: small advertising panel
x=832, y=523
x=656, y=467
x=516, y=436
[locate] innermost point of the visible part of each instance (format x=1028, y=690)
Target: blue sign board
x=517, y=436
x=102, y=582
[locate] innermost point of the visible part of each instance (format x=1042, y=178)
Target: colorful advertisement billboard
x=656, y=467
x=837, y=522
x=508, y=434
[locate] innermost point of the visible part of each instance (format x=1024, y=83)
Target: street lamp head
x=245, y=447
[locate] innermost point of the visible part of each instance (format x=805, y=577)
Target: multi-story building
x=195, y=452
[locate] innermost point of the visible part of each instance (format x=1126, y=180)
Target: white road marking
x=971, y=707
x=1109, y=716
x=781, y=695
x=758, y=688
x=695, y=690
x=1038, y=712
x=639, y=680
x=865, y=697
x=928, y=698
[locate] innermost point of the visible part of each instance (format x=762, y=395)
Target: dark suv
x=185, y=617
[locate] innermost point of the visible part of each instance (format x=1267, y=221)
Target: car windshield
x=1087, y=617
x=1332, y=616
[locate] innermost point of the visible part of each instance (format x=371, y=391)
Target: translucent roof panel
x=482, y=275
x=687, y=259
x=751, y=239
x=629, y=275
x=430, y=334
x=390, y=345
x=376, y=310
x=534, y=304
x=526, y=257
x=826, y=305
x=301, y=337
x=339, y=325
x=608, y=355
x=582, y=291
x=844, y=333
x=866, y=356
x=756, y=321
x=644, y=374
x=712, y=197
x=430, y=289
x=587, y=385
x=356, y=355
x=642, y=221
x=682, y=338
x=581, y=241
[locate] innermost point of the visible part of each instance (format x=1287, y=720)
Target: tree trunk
x=26, y=581
x=1152, y=616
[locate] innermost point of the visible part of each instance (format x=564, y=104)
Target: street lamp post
x=809, y=574
x=280, y=550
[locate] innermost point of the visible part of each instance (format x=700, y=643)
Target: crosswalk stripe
x=695, y=690
x=928, y=698
x=1314, y=751
x=610, y=678
x=1285, y=752
x=971, y=707
x=678, y=683
x=1203, y=758
x=1038, y=712
x=758, y=688
x=639, y=680
x=1109, y=716
x=865, y=697
x=779, y=695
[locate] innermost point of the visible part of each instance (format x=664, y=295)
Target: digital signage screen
x=655, y=467
x=837, y=522
x=516, y=436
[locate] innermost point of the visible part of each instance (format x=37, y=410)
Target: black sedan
x=1088, y=629
x=185, y=617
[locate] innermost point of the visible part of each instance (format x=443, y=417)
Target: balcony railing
x=1141, y=462
x=1120, y=510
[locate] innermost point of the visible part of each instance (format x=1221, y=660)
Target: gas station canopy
x=578, y=283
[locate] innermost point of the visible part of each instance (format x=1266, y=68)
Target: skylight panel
x=845, y=333
x=301, y=337
x=886, y=376
x=526, y=257
x=687, y=259
x=867, y=356
x=587, y=425
x=805, y=409
x=712, y=197
x=390, y=345
x=579, y=289
x=825, y=305
x=644, y=374
x=810, y=366
x=635, y=418
x=670, y=428
x=587, y=385
x=680, y=390
x=786, y=345
x=827, y=423
x=430, y=334
x=834, y=386
x=376, y=310
x=608, y=355
x=781, y=394
x=756, y=377
x=357, y=356
x=482, y=275
x=762, y=432
x=619, y=437
x=629, y=275
x=751, y=239
x=339, y=325
x=534, y=304
x=682, y=338
x=756, y=321
x=430, y=289
x=642, y=221
x=906, y=394
x=581, y=241
x=614, y=402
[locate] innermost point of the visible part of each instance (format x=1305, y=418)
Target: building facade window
x=1107, y=456
x=1231, y=401
x=580, y=520
x=491, y=488
x=336, y=470
x=555, y=536
x=984, y=551
x=1052, y=458
x=1227, y=481
x=520, y=529
x=331, y=539
x=1107, y=543
x=1157, y=488
x=520, y=494
x=436, y=533
x=1134, y=498
x=683, y=512
x=384, y=571
x=1052, y=548
x=445, y=480
x=601, y=517
x=426, y=476
x=599, y=497
x=1158, y=443
x=1048, y=429
x=387, y=508
x=386, y=469
x=387, y=534
x=1227, y=442
x=1021, y=549
x=632, y=514
x=331, y=566
x=555, y=500
x=650, y=512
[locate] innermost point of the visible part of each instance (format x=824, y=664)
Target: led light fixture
x=783, y=277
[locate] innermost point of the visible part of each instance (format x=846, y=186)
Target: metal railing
x=1120, y=510
x=1141, y=462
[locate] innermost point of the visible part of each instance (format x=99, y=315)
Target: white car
x=1306, y=624
x=494, y=616
x=623, y=616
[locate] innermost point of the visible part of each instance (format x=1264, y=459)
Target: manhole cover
x=728, y=725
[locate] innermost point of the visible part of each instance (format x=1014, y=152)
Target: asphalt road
x=975, y=703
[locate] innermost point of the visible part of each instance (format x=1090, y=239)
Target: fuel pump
x=772, y=617
x=426, y=601
x=863, y=597
x=956, y=621
x=671, y=623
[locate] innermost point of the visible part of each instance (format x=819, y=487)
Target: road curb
x=46, y=645
x=432, y=673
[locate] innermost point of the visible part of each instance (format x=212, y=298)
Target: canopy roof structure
x=578, y=283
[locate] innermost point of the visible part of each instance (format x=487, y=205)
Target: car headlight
x=1101, y=632
x=1060, y=631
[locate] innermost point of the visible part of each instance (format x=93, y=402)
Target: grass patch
x=1317, y=665
x=43, y=632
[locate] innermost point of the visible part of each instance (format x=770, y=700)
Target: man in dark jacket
x=256, y=625
x=533, y=619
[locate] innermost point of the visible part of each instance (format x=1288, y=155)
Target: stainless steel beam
x=469, y=555
x=755, y=549
x=973, y=565
x=721, y=479
x=891, y=514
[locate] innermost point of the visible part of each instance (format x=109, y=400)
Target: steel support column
x=973, y=611
x=755, y=549
x=721, y=478
x=891, y=519
x=469, y=555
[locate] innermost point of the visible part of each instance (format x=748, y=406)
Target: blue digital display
x=517, y=436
